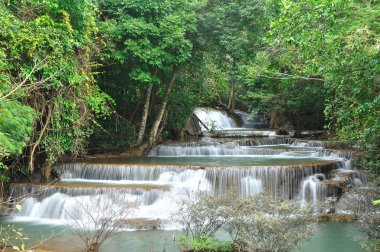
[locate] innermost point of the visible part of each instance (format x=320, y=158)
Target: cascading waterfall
x=214, y=119
x=155, y=187
x=219, y=123
x=281, y=146
x=294, y=169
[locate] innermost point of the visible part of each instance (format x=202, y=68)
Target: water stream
x=299, y=170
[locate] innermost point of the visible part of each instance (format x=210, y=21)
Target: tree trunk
x=35, y=145
x=93, y=247
x=273, y=120
x=144, y=115
x=231, y=98
x=162, y=125
x=46, y=171
x=155, y=128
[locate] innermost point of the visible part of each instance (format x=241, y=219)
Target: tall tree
x=337, y=41
x=150, y=41
x=47, y=88
x=230, y=33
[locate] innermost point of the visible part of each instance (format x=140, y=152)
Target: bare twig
x=94, y=225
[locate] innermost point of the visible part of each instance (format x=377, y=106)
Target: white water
x=169, y=183
x=55, y=204
x=157, y=187
x=285, y=148
x=252, y=121
x=312, y=190
x=214, y=119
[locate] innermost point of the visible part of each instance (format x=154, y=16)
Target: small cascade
x=279, y=180
x=303, y=143
x=218, y=149
x=263, y=142
x=253, y=121
x=218, y=124
x=214, y=119
x=244, y=133
x=222, y=148
x=312, y=190
x=54, y=204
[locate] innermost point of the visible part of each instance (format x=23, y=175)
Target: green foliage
x=370, y=225
x=100, y=103
x=3, y=177
x=150, y=35
x=229, y=34
x=47, y=92
x=299, y=102
x=184, y=100
x=337, y=41
x=113, y=135
x=205, y=244
x=144, y=42
x=16, y=122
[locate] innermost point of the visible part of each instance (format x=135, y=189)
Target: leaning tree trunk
x=162, y=125
x=144, y=115
x=153, y=135
x=231, y=98
x=35, y=145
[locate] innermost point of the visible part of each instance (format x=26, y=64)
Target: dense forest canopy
x=108, y=75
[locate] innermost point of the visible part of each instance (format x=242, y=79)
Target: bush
x=209, y=244
x=254, y=223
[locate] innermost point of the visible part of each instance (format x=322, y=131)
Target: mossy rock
x=338, y=217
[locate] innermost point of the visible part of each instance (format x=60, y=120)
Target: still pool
x=329, y=237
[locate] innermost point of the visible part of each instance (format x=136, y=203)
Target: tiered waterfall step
x=213, y=178
x=301, y=170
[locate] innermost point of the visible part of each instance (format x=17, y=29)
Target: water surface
x=329, y=237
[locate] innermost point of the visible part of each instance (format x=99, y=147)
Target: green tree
x=293, y=103
x=149, y=41
x=47, y=88
x=229, y=34
x=337, y=41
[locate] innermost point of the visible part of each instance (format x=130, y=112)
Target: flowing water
x=299, y=170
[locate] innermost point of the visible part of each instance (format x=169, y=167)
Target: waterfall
x=253, y=121
x=294, y=169
x=312, y=190
x=243, y=147
x=250, y=186
x=302, y=143
x=53, y=202
x=214, y=119
x=156, y=187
